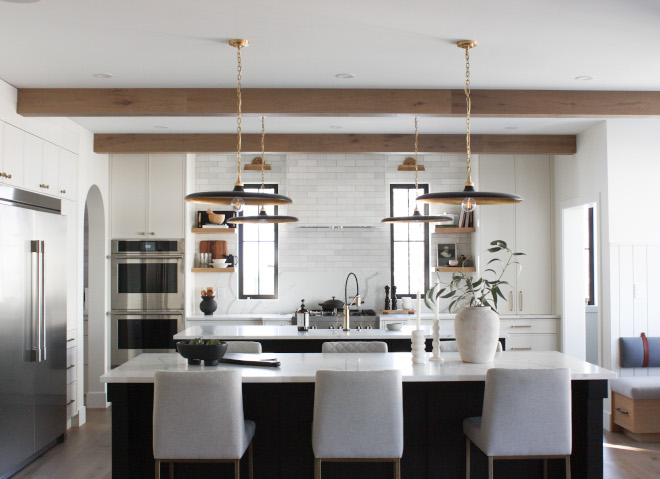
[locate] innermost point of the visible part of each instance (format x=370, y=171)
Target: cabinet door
x=50, y=168
x=497, y=222
x=531, y=342
x=12, y=155
x=129, y=196
x=68, y=174
x=166, y=192
x=33, y=157
x=533, y=235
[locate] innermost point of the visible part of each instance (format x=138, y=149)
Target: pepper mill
x=387, y=298
x=394, y=297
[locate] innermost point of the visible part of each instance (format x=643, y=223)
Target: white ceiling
x=523, y=44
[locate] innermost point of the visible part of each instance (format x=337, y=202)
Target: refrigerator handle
x=35, y=303
x=42, y=290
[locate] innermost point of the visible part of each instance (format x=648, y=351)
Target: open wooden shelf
x=213, y=270
x=458, y=269
x=230, y=231
x=440, y=229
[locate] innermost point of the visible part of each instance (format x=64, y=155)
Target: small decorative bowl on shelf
x=197, y=350
x=394, y=326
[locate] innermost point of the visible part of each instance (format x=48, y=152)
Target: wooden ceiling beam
x=129, y=102
x=323, y=143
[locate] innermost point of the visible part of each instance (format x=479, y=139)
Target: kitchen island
x=436, y=398
x=287, y=339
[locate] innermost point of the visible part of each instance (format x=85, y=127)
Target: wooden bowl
x=215, y=219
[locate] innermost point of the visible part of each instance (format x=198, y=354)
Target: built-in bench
x=636, y=400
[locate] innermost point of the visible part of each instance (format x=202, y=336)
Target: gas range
x=362, y=318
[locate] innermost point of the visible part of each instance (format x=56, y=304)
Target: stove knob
x=369, y=326
x=331, y=327
x=359, y=327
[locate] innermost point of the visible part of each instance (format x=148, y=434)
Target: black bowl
x=195, y=353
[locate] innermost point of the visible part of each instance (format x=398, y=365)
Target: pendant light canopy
x=469, y=198
x=417, y=217
x=238, y=197
x=262, y=217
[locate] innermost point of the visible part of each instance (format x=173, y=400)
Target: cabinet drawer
x=531, y=342
x=525, y=326
x=71, y=357
x=71, y=373
x=71, y=340
x=636, y=415
x=71, y=403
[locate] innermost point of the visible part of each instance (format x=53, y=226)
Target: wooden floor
x=86, y=454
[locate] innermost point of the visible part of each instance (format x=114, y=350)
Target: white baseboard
x=80, y=418
x=606, y=421
x=97, y=400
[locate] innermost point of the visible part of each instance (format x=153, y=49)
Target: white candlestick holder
x=418, y=346
x=436, y=342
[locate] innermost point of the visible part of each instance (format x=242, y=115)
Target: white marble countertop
x=384, y=317
x=302, y=367
x=254, y=332
x=239, y=317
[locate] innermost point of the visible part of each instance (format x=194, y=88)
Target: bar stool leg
x=250, y=457
x=545, y=468
x=237, y=469
x=157, y=469
x=171, y=470
x=317, y=468
x=467, y=458
x=568, y=467
x=490, y=467
x=397, y=468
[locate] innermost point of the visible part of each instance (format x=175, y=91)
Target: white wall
x=338, y=189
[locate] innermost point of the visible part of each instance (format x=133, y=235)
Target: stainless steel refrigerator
x=32, y=326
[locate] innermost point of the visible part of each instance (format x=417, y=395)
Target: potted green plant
x=476, y=324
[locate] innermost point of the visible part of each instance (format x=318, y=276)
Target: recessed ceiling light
x=336, y=127
x=345, y=76
x=161, y=127
x=102, y=75
x=584, y=78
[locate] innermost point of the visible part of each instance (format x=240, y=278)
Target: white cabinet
x=526, y=227
x=11, y=160
x=40, y=165
x=67, y=174
x=530, y=334
x=147, y=196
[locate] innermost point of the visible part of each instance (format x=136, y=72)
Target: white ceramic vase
x=477, y=330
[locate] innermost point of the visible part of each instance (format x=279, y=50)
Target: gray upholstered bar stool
x=248, y=347
x=342, y=432
x=354, y=347
x=526, y=415
x=198, y=417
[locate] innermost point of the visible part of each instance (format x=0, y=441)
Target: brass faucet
x=357, y=300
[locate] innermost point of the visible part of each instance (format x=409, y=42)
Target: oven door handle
x=146, y=257
x=146, y=313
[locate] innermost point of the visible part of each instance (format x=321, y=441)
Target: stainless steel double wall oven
x=147, y=296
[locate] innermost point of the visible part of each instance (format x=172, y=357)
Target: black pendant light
x=469, y=198
x=262, y=217
x=238, y=197
x=417, y=217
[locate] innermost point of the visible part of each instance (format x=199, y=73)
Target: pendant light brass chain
x=239, y=105
x=263, y=153
x=468, y=103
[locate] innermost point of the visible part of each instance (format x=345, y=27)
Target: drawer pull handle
x=510, y=301
x=521, y=326
x=63, y=192
x=69, y=340
x=521, y=301
x=520, y=349
x=622, y=411
x=70, y=402
x=72, y=366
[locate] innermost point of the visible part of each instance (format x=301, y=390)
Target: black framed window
x=409, y=247
x=258, y=253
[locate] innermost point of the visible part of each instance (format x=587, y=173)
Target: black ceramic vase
x=208, y=305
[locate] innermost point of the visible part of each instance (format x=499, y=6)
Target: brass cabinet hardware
x=141, y=233
x=8, y=176
x=44, y=186
x=522, y=326
x=520, y=349
x=520, y=306
x=63, y=192
x=152, y=233
x=510, y=300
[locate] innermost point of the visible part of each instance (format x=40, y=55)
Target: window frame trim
x=427, y=237
x=276, y=269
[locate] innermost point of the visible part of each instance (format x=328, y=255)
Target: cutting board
x=218, y=249
x=205, y=246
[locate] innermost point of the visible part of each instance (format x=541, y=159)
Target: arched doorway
x=97, y=350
